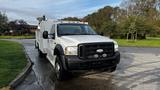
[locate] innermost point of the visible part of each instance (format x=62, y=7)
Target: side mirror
x=45, y=34
x=101, y=33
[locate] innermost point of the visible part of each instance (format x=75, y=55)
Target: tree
x=103, y=20
x=3, y=23
x=109, y=28
x=144, y=15
x=19, y=27
x=135, y=17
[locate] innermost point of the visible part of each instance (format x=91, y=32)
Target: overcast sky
x=30, y=9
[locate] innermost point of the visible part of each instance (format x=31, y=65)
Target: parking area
x=139, y=69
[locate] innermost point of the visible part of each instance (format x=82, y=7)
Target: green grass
x=16, y=37
x=12, y=61
x=140, y=43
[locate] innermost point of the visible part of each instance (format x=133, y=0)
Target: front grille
x=95, y=50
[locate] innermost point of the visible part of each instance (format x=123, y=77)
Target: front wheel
x=113, y=69
x=59, y=70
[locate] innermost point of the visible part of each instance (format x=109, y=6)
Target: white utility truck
x=75, y=46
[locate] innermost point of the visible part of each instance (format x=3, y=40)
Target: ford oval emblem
x=99, y=50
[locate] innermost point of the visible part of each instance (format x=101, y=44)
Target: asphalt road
x=139, y=69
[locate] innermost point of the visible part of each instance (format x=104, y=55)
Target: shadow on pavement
x=85, y=83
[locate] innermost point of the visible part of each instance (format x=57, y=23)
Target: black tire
x=59, y=70
x=36, y=45
x=113, y=69
x=41, y=55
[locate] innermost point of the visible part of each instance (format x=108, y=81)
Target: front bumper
x=74, y=63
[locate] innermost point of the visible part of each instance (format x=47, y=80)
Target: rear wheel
x=41, y=54
x=36, y=45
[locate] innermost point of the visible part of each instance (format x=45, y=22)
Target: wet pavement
x=139, y=69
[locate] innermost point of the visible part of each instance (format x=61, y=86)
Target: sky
x=29, y=10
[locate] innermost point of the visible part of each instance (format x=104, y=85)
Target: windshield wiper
x=87, y=34
x=76, y=34
x=67, y=34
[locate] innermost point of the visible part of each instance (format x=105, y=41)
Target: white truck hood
x=74, y=40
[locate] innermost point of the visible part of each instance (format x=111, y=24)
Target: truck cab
x=75, y=46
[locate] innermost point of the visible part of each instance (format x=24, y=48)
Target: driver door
x=51, y=44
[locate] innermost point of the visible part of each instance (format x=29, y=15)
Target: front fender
x=60, y=52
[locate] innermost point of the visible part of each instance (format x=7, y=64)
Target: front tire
x=113, y=69
x=59, y=70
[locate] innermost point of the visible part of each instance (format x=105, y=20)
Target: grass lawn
x=12, y=61
x=16, y=37
x=140, y=43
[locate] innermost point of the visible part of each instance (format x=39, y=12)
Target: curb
x=20, y=78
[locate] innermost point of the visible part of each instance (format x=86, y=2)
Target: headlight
x=71, y=50
x=115, y=46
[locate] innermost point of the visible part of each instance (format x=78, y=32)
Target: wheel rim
x=57, y=69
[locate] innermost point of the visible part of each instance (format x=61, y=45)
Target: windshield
x=75, y=29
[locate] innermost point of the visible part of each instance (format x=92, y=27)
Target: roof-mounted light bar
x=77, y=22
